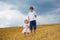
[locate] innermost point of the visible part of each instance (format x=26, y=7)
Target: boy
x=32, y=19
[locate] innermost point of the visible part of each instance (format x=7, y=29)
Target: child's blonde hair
x=25, y=21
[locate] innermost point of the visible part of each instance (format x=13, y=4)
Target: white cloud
x=50, y=17
x=9, y=17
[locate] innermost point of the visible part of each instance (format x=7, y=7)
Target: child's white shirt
x=31, y=15
x=26, y=28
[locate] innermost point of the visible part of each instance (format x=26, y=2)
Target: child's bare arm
x=28, y=18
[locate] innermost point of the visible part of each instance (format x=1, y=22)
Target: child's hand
x=35, y=16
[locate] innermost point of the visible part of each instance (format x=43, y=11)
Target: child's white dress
x=26, y=28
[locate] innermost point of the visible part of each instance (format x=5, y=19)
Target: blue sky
x=48, y=11
x=41, y=6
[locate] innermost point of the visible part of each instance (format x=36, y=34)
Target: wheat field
x=43, y=32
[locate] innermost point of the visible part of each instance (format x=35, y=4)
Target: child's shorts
x=33, y=25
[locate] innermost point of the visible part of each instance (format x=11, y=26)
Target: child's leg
x=31, y=27
x=31, y=31
x=28, y=33
x=25, y=34
x=35, y=26
x=34, y=29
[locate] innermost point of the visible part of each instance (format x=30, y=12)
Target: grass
x=44, y=32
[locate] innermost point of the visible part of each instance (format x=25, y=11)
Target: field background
x=44, y=32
